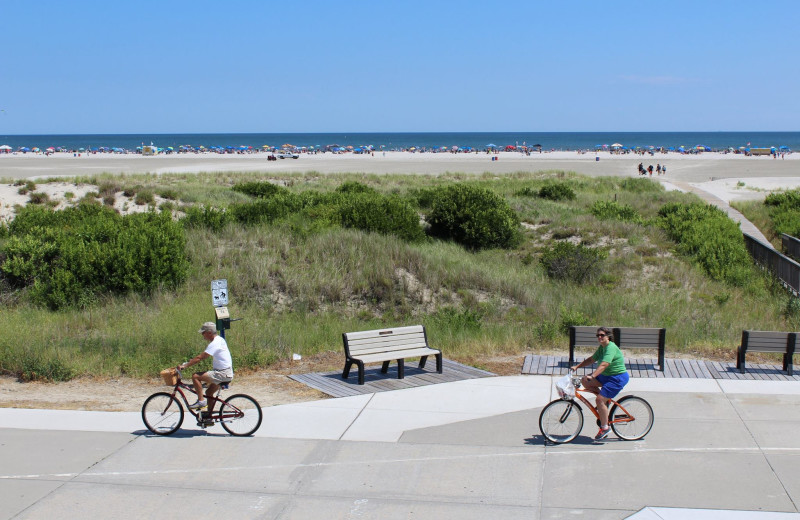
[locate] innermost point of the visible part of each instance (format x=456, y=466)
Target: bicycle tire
x=643, y=418
x=561, y=421
x=162, y=413
x=240, y=425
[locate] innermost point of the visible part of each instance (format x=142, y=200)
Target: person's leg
x=211, y=390
x=197, y=381
x=591, y=384
x=602, y=410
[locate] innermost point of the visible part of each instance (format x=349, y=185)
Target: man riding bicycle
x=222, y=367
x=607, y=379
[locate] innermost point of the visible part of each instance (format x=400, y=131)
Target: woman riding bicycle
x=608, y=379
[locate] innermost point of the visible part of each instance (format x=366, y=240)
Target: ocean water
x=428, y=140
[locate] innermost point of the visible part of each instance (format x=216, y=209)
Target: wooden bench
x=624, y=337
x=385, y=345
x=762, y=341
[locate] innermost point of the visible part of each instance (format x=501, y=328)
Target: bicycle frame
x=621, y=419
x=231, y=411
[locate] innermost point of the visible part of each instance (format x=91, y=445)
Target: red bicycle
x=163, y=413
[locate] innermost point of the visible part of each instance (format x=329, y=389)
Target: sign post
x=219, y=298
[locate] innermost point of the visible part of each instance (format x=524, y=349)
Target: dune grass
x=297, y=288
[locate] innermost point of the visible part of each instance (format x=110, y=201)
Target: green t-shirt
x=613, y=356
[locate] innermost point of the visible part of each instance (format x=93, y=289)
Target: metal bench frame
x=386, y=345
x=766, y=341
x=624, y=337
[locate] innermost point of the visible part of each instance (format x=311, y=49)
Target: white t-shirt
x=218, y=349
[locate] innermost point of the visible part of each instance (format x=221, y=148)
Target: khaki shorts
x=220, y=376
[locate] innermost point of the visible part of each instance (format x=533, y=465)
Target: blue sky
x=358, y=66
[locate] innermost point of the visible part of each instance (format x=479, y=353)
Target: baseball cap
x=208, y=326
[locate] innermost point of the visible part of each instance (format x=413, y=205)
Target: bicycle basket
x=170, y=376
x=565, y=387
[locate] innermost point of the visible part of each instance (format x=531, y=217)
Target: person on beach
x=222, y=367
x=608, y=379
x=664, y=170
x=650, y=170
x=658, y=169
x=641, y=169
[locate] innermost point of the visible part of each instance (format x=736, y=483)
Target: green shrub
x=266, y=210
x=207, y=217
x=705, y=234
x=557, y=192
x=168, y=194
x=39, y=197
x=65, y=257
x=475, y=217
x=527, y=191
x=34, y=367
x=612, y=210
x=423, y=196
x=260, y=190
x=784, y=211
x=570, y=317
x=379, y=214
x=573, y=263
x=144, y=197
x=790, y=197
x=354, y=187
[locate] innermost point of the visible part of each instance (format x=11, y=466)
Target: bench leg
x=422, y=361
x=439, y=363
x=385, y=367
x=360, y=365
x=740, y=363
x=401, y=369
x=661, y=359
x=347, y=365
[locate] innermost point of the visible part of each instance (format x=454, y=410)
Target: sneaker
x=198, y=405
x=602, y=434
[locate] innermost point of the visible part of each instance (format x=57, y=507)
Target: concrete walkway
x=467, y=449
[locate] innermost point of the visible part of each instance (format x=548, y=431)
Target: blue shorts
x=612, y=385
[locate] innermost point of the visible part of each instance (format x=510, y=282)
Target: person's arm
x=588, y=361
x=195, y=360
x=599, y=370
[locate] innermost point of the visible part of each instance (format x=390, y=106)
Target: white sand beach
x=728, y=176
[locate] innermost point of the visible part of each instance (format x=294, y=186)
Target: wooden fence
x=783, y=267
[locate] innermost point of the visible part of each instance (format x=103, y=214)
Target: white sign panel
x=219, y=293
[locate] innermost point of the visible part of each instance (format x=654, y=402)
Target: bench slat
x=378, y=333
x=387, y=340
x=380, y=346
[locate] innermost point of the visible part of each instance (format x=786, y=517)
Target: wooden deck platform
x=675, y=368
x=331, y=383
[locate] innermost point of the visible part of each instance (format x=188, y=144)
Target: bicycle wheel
x=162, y=413
x=561, y=421
x=639, y=409
x=240, y=415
